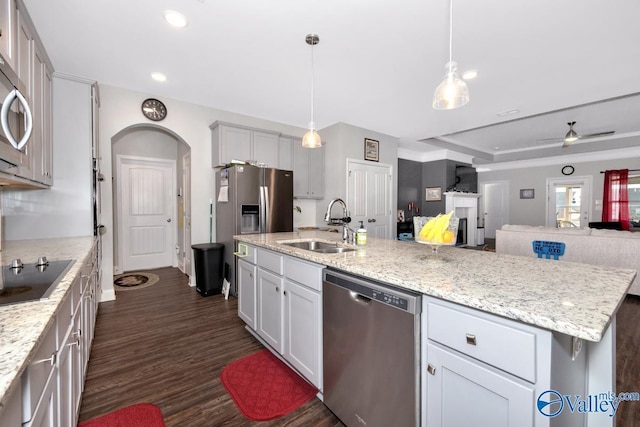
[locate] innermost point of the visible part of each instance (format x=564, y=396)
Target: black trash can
x=208, y=258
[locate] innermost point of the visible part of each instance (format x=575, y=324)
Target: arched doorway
x=151, y=207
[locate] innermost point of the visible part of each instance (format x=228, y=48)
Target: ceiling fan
x=572, y=136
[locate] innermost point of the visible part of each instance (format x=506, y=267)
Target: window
x=633, y=189
x=568, y=203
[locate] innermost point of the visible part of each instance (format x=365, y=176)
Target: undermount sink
x=320, y=247
x=334, y=250
x=312, y=245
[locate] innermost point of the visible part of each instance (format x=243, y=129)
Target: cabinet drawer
x=270, y=261
x=38, y=372
x=305, y=273
x=498, y=342
x=246, y=252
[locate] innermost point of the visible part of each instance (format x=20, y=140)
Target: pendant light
x=311, y=139
x=452, y=92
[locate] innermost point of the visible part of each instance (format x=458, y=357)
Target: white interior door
x=147, y=206
x=495, y=206
x=186, y=212
x=369, y=197
x=569, y=202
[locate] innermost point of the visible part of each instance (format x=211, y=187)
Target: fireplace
x=465, y=205
x=462, y=232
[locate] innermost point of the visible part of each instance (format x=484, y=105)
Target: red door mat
x=139, y=415
x=263, y=387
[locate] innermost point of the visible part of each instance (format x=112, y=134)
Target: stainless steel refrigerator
x=251, y=200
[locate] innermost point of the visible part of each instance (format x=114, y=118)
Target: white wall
x=64, y=210
x=120, y=109
x=344, y=141
x=533, y=211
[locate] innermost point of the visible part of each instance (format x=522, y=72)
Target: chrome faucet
x=344, y=221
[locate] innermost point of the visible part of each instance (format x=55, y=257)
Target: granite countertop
x=579, y=300
x=23, y=325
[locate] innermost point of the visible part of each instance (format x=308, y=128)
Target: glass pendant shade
x=311, y=139
x=452, y=92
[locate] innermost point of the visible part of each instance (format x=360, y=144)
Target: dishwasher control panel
x=390, y=299
x=373, y=291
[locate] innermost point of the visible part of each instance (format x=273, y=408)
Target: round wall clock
x=567, y=170
x=154, y=110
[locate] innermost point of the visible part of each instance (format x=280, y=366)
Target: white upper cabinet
x=285, y=152
x=308, y=172
x=7, y=31
x=266, y=148
x=230, y=142
x=22, y=50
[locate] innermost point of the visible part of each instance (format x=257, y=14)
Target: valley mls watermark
x=551, y=403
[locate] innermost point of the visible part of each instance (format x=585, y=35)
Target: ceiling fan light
x=452, y=92
x=571, y=136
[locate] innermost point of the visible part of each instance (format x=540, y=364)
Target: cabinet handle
x=285, y=293
x=431, y=369
x=277, y=289
x=51, y=360
x=471, y=339
x=76, y=342
x=371, y=220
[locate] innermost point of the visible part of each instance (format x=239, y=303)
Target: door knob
x=168, y=219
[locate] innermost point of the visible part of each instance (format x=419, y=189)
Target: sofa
x=602, y=247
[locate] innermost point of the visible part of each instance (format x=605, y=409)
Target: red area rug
x=263, y=387
x=138, y=415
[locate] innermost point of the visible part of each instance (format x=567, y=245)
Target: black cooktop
x=31, y=282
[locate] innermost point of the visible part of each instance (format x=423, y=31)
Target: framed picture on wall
x=433, y=194
x=371, y=147
x=527, y=193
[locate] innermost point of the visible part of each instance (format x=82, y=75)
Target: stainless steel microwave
x=16, y=120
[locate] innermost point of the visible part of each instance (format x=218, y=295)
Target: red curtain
x=615, y=203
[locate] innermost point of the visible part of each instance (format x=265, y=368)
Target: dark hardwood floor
x=628, y=360
x=167, y=345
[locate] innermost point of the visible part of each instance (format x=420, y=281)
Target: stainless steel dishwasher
x=371, y=351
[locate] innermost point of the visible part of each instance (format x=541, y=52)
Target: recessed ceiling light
x=175, y=19
x=469, y=75
x=159, y=77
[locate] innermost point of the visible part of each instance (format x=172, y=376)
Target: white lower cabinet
x=52, y=384
x=39, y=384
x=246, y=281
x=303, y=330
x=483, y=370
x=12, y=414
x=270, y=308
x=461, y=390
x=288, y=308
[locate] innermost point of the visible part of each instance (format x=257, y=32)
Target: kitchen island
x=555, y=304
x=25, y=326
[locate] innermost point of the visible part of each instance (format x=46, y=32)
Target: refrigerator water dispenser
x=249, y=219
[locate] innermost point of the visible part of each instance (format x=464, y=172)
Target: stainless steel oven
x=15, y=118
